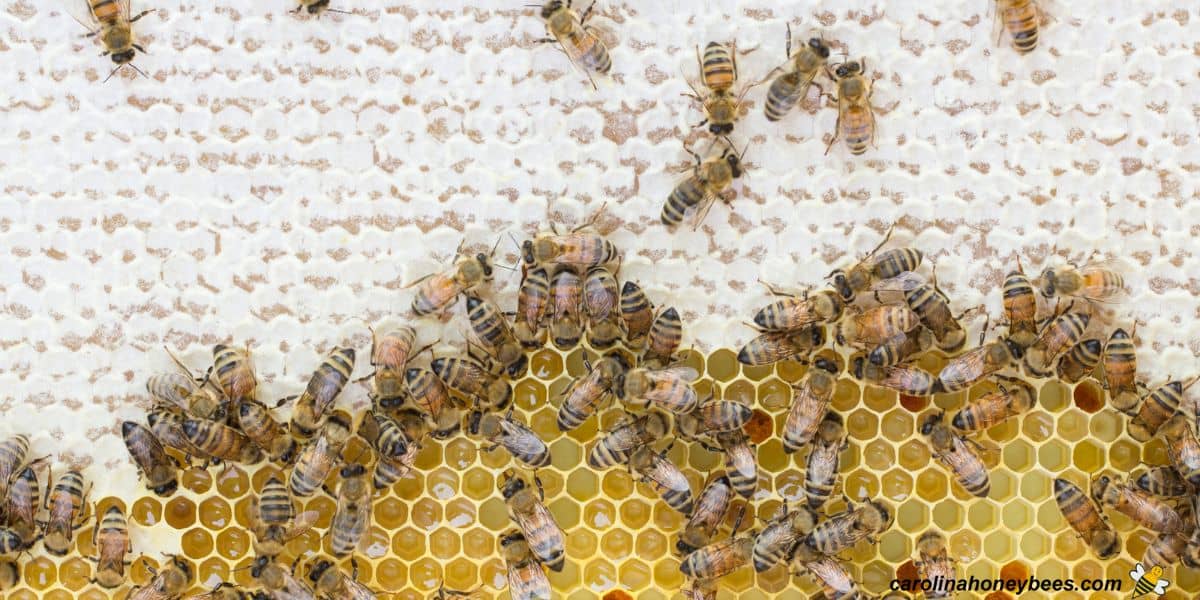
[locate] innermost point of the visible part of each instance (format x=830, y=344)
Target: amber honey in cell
x=759, y=427
x=1088, y=397
x=408, y=543
x=146, y=512
x=74, y=573
x=617, y=595
x=233, y=543
x=180, y=513
x=232, y=483
x=196, y=543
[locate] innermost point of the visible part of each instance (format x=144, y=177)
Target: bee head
x=259, y=565
x=319, y=569
x=182, y=565
x=485, y=263
x=474, y=421
x=121, y=58
x=317, y=7
x=848, y=69
x=1049, y=284
x=818, y=46
x=167, y=488
x=512, y=486
x=828, y=365
x=527, y=251
x=930, y=422
x=511, y=538
x=720, y=128
x=841, y=283
x=352, y=470
x=735, y=163
x=550, y=8
x=1014, y=348
x=818, y=339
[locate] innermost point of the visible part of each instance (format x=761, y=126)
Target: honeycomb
x=441, y=525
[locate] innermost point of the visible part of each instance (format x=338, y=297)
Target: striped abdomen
x=666, y=332
x=1020, y=308
x=427, y=391
x=582, y=402
x=1120, y=363
x=636, y=311
x=718, y=69
x=586, y=49
x=106, y=11
x=275, y=504
x=1080, y=360
x=533, y=296
x=1160, y=405
x=670, y=483
x=857, y=128
x=66, y=500
x=1082, y=515
x=12, y=455
x=686, y=195
x=234, y=372
x=391, y=470
x=220, y=441
x=741, y=466
x=1061, y=333
x=820, y=473
x=111, y=539
x=784, y=93
x=487, y=322
x=347, y=528
x=967, y=468
x=435, y=294
x=1102, y=284
x=314, y=465
x=1021, y=20
x=896, y=262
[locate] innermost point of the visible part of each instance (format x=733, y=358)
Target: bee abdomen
x=686, y=195
x=719, y=73
x=783, y=95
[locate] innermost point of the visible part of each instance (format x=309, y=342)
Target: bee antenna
x=140, y=72
x=334, y=10
x=114, y=72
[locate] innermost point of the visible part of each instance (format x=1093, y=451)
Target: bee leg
x=142, y=14
x=837, y=127
x=788, y=43
x=586, y=13
x=541, y=491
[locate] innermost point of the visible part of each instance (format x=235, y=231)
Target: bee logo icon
x=1148, y=582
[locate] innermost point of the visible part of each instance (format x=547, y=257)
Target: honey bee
x=384, y=434
x=429, y=393
x=111, y=23
x=962, y=371
x=1142, y=508
x=906, y=379
x=1021, y=18
x=1183, y=448
x=110, y=536
x=329, y=582
x=390, y=470
x=876, y=325
x=167, y=427
x=578, y=41
x=65, y=503
x=1080, y=360
x=856, y=117
x=318, y=458
x=169, y=582
x=666, y=333
x=810, y=400
x=636, y=312
x=1012, y=399
x=268, y=434
x=321, y=392
x=1120, y=371
x=492, y=331
x=1061, y=333
x=953, y=451
x=719, y=74
x=714, y=416
x=781, y=535
x=1084, y=517
x=578, y=249
x=1163, y=480
x=526, y=579
x=741, y=462
x=770, y=347
x=935, y=564
x=836, y=582
x=390, y=352
x=22, y=501
x=663, y=476
x=1020, y=307
x=875, y=268
x=585, y=394
x=1158, y=406
x=353, y=513
x=529, y=513
x=13, y=452
x=437, y=291
x=932, y=306
x=277, y=582
x=181, y=391
x=566, y=292
x=471, y=379
x=821, y=467
x=532, y=299
x=628, y=435
x=221, y=441
x=787, y=89
x=719, y=559
x=711, y=506
x=859, y=521
x=520, y=441
x=1092, y=282
x=708, y=182
x=601, y=305
x=157, y=468
x=797, y=312
x=234, y=372
x=273, y=519
x=900, y=348
x=1166, y=549
x=670, y=388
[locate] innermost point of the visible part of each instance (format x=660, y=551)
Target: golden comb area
x=441, y=523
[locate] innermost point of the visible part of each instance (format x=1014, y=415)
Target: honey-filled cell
x=196, y=479
x=391, y=574
x=232, y=482
x=197, y=543
x=180, y=513
x=40, y=573
x=74, y=573
x=215, y=513
x=233, y=543
x=145, y=512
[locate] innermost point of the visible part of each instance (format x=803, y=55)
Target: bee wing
x=81, y=11
x=1161, y=586
x=520, y=438
x=303, y=522
x=903, y=282
x=687, y=374
x=1138, y=572
x=710, y=198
